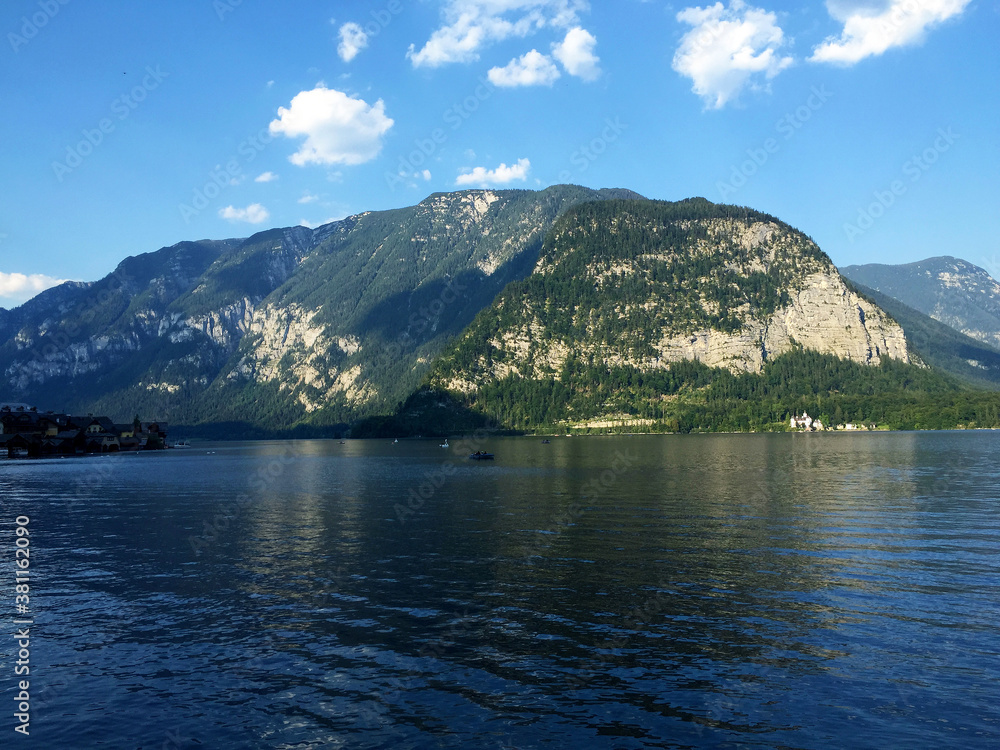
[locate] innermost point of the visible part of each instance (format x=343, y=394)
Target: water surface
x=796, y=591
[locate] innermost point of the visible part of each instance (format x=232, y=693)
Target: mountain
x=12, y=320
x=633, y=303
x=564, y=307
x=648, y=283
x=286, y=327
x=939, y=345
x=950, y=290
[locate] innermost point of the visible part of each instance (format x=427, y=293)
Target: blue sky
x=871, y=125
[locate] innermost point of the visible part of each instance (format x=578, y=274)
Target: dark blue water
x=792, y=591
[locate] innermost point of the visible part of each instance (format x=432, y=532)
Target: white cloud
x=471, y=25
x=19, y=287
x=576, y=54
x=308, y=198
x=531, y=69
x=353, y=39
x=728, y=49
x=871, y=31
x=266, y=177
x=426, y=174
x=252, y=214
x=338, y=129
x=499, y=176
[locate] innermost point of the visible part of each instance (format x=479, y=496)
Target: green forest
x=690, y=397
x=612, y=279
x=546, y=311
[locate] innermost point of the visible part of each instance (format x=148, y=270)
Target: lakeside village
x=805, y=423
x=24, y=431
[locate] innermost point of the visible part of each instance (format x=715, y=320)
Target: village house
x=25, y=431
x=805, y=422
x=801, y=423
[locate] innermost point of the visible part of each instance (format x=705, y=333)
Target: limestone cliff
x=646, y=284
x=289, y=325
x=822, y=315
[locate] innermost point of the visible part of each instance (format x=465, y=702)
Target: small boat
x=481, y=456
x=181, y=444
x=395, y=441
x=546, y=442
x=445, y=444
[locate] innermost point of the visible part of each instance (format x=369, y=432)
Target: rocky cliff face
x=286, y=348
x=822, y=315
x=304, y=324
x=322, y=326
x=645, y=285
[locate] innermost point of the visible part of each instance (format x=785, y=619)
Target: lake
x=739, y=591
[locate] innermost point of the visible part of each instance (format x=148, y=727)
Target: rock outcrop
x=337, y=322
x=822, y=315
x=643, y=285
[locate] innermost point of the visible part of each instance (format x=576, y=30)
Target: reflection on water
x=797, y=591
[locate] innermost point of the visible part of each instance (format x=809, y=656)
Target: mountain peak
x=646, y=284
x=951, y=290
x=291, y=324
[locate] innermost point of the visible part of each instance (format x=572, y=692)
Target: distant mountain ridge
x=561, y=304
x=939, y=345
x=287, y=326
x=950, y=290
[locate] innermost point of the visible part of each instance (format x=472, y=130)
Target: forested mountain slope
x=289, y=326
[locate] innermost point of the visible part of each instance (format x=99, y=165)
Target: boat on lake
x=481, y=456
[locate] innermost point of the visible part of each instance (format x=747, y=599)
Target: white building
x=805, y=422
